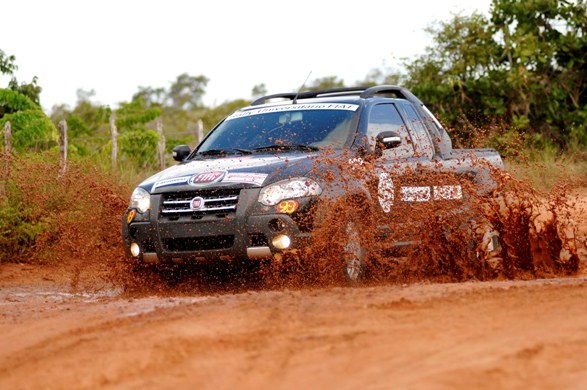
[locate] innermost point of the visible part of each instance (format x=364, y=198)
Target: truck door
x=407, y=185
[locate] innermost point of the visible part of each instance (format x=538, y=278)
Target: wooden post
x=8, y=138
x=62, y=148
x=161, y=145
x=200, y=130
x=114, y=138
x=7, y=156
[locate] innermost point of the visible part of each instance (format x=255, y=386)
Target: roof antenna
x=295, y=99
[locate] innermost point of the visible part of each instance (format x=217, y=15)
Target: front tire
x=341, y=242
x=354, y=253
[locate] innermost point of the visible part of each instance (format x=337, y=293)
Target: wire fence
x=98, y=144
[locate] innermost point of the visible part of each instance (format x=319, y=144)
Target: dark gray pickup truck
x=254, y=187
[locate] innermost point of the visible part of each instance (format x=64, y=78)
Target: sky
x=115, y=46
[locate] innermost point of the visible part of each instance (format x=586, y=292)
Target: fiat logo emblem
x=197, y=203
x=208, y=177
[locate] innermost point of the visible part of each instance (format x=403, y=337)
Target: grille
x=198, y=243
x=220, y=202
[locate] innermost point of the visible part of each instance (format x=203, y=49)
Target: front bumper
x=246, y=233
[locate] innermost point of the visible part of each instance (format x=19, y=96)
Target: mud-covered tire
x=354, y=253
x=343, y=241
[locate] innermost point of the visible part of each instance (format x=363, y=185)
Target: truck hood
x=226, y=172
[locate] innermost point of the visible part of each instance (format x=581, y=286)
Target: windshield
x=292, y=127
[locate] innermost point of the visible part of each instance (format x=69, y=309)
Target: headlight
x=289, y=189
x=140, y=199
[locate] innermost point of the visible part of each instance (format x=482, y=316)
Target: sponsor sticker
x=448, y=192
x=130, y=216
x=248, y=178
x=385, y=192
x=287, y=206
x=292, y=107
x=425, y=194
x=415, y=194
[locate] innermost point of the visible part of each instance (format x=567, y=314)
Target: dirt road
x=522, y=334
x=498, y=334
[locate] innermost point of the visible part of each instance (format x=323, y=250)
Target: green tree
x=152, y=96
x=7, y=63
x=258, y=91
x=87, y=123
x=187, y=91
x=381, y=76
x=525, y=67
x=545, y=51
x=138, y=144
x=326, y=83
x=19, y=104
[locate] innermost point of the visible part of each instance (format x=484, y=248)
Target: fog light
x=135, y=250
x=281, y=241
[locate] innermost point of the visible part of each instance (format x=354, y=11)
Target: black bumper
x=246, y=233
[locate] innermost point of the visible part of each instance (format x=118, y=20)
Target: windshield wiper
x=285, y=148
x=217, y=152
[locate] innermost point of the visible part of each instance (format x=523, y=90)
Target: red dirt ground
x=483, y=335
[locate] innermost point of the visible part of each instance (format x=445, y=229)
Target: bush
x=45, y=218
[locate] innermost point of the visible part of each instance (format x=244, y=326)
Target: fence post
x=161, y=145
x=7, y=156
x=114, y=137
x=200, y=130
x=7, y=138
x=62, y=148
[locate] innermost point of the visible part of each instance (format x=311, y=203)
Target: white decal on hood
x=207, y=178
x=248, y=178
x=171, y=182
x=225, y=164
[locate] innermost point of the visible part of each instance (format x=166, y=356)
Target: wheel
x=354, y=254
x=341, y=241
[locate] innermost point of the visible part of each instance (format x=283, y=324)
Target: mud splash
x=419, y=224
x=510, y=231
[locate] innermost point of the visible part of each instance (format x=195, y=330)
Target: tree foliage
x=326, y=83
x=258, y=90
x=524, y=67
x=19, y=104
x=137, y=142
x=7, y=63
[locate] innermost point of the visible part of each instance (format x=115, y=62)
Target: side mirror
x=180, y=152
x=388, y=140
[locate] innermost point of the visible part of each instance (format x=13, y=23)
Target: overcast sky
x=113, y=47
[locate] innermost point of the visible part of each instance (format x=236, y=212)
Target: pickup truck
x=266, y=177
